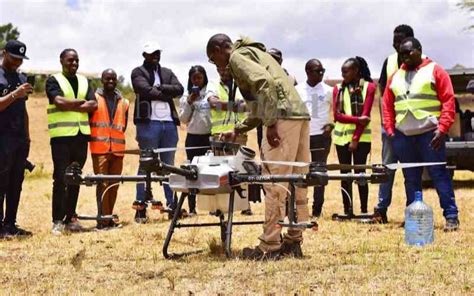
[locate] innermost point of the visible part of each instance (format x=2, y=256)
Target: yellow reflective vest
x=420, y=98
x=392, y=64
x=224, y=121
x=68, y=123
x=343, y=132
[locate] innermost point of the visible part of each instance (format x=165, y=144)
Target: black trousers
x=320, y=147
x=195, y=141
x=13, y=155
x=359, y=156
x=65, y=196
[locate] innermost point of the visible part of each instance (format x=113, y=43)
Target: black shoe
x=316, y=214
x=379, y=216
x=140, y=217
x=13, y=230
x=183, y=214
x=258, y=255
x=108, y=226
x=452, y=224
x=247, y=212
x=289, y=248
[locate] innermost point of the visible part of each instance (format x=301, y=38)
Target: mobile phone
x=195, y=89
x=31, y=79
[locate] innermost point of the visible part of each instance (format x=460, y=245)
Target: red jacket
x=443, y=88
x=344, y=118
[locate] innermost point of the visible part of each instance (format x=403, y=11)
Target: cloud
x=111, y=33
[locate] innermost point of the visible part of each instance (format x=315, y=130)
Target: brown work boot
x=379, y=216
x=258, y=255
x=291, y=248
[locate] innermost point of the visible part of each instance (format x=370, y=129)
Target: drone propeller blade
x=338, y=166
x=159, y=150
x=288, y=163
x=395, y=166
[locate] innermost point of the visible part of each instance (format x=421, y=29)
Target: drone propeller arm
x=73, y=176
x=311, y=178
x=244, y=178
x=374, y=177
x=94, y=179
x=189, y=172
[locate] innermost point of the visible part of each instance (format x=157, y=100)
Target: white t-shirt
x=318, y=100
x=160, y=111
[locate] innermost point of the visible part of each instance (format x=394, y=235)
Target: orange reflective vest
x=107, y=136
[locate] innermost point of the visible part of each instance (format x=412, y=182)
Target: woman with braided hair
x=352, y=101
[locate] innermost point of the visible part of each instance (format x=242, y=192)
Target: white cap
x=151, y=47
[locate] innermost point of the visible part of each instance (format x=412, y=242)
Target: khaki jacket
x=264, y=85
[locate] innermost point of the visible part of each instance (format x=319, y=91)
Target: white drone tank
x=213, y=180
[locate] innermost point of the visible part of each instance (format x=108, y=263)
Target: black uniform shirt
x=12, y=119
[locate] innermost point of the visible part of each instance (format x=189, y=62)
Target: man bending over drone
x=275, y=103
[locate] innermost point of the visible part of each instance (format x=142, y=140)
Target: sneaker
x=247, y=212
x=58, y=228
x=141, y=217
x=74, y=226
x=379, y=216
x=452, y=224
x=258, y=255
x=13, y=230
x=289, y=248
x=192, y=213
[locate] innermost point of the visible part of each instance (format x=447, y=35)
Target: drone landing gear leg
x=171, y=229
x=292, y=217
x=228, y=233
x=99, y=217
x=174, y=224
x=365, y=218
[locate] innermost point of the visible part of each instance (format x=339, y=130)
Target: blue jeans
x=385, y=189
x=152, y=135
x=417, y=149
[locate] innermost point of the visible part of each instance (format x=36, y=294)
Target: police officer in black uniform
x=14, y=135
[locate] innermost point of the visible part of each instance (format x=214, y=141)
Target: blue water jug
x=419, y=226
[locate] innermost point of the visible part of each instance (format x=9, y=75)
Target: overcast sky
x=111, y=33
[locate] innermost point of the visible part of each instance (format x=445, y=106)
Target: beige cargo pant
x=294, y=146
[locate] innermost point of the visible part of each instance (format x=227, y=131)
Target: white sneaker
x=74, y=226
x=58, y=228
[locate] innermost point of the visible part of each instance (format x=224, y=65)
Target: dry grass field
x=341, y=258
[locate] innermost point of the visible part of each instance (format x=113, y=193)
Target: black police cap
x=16, y=49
